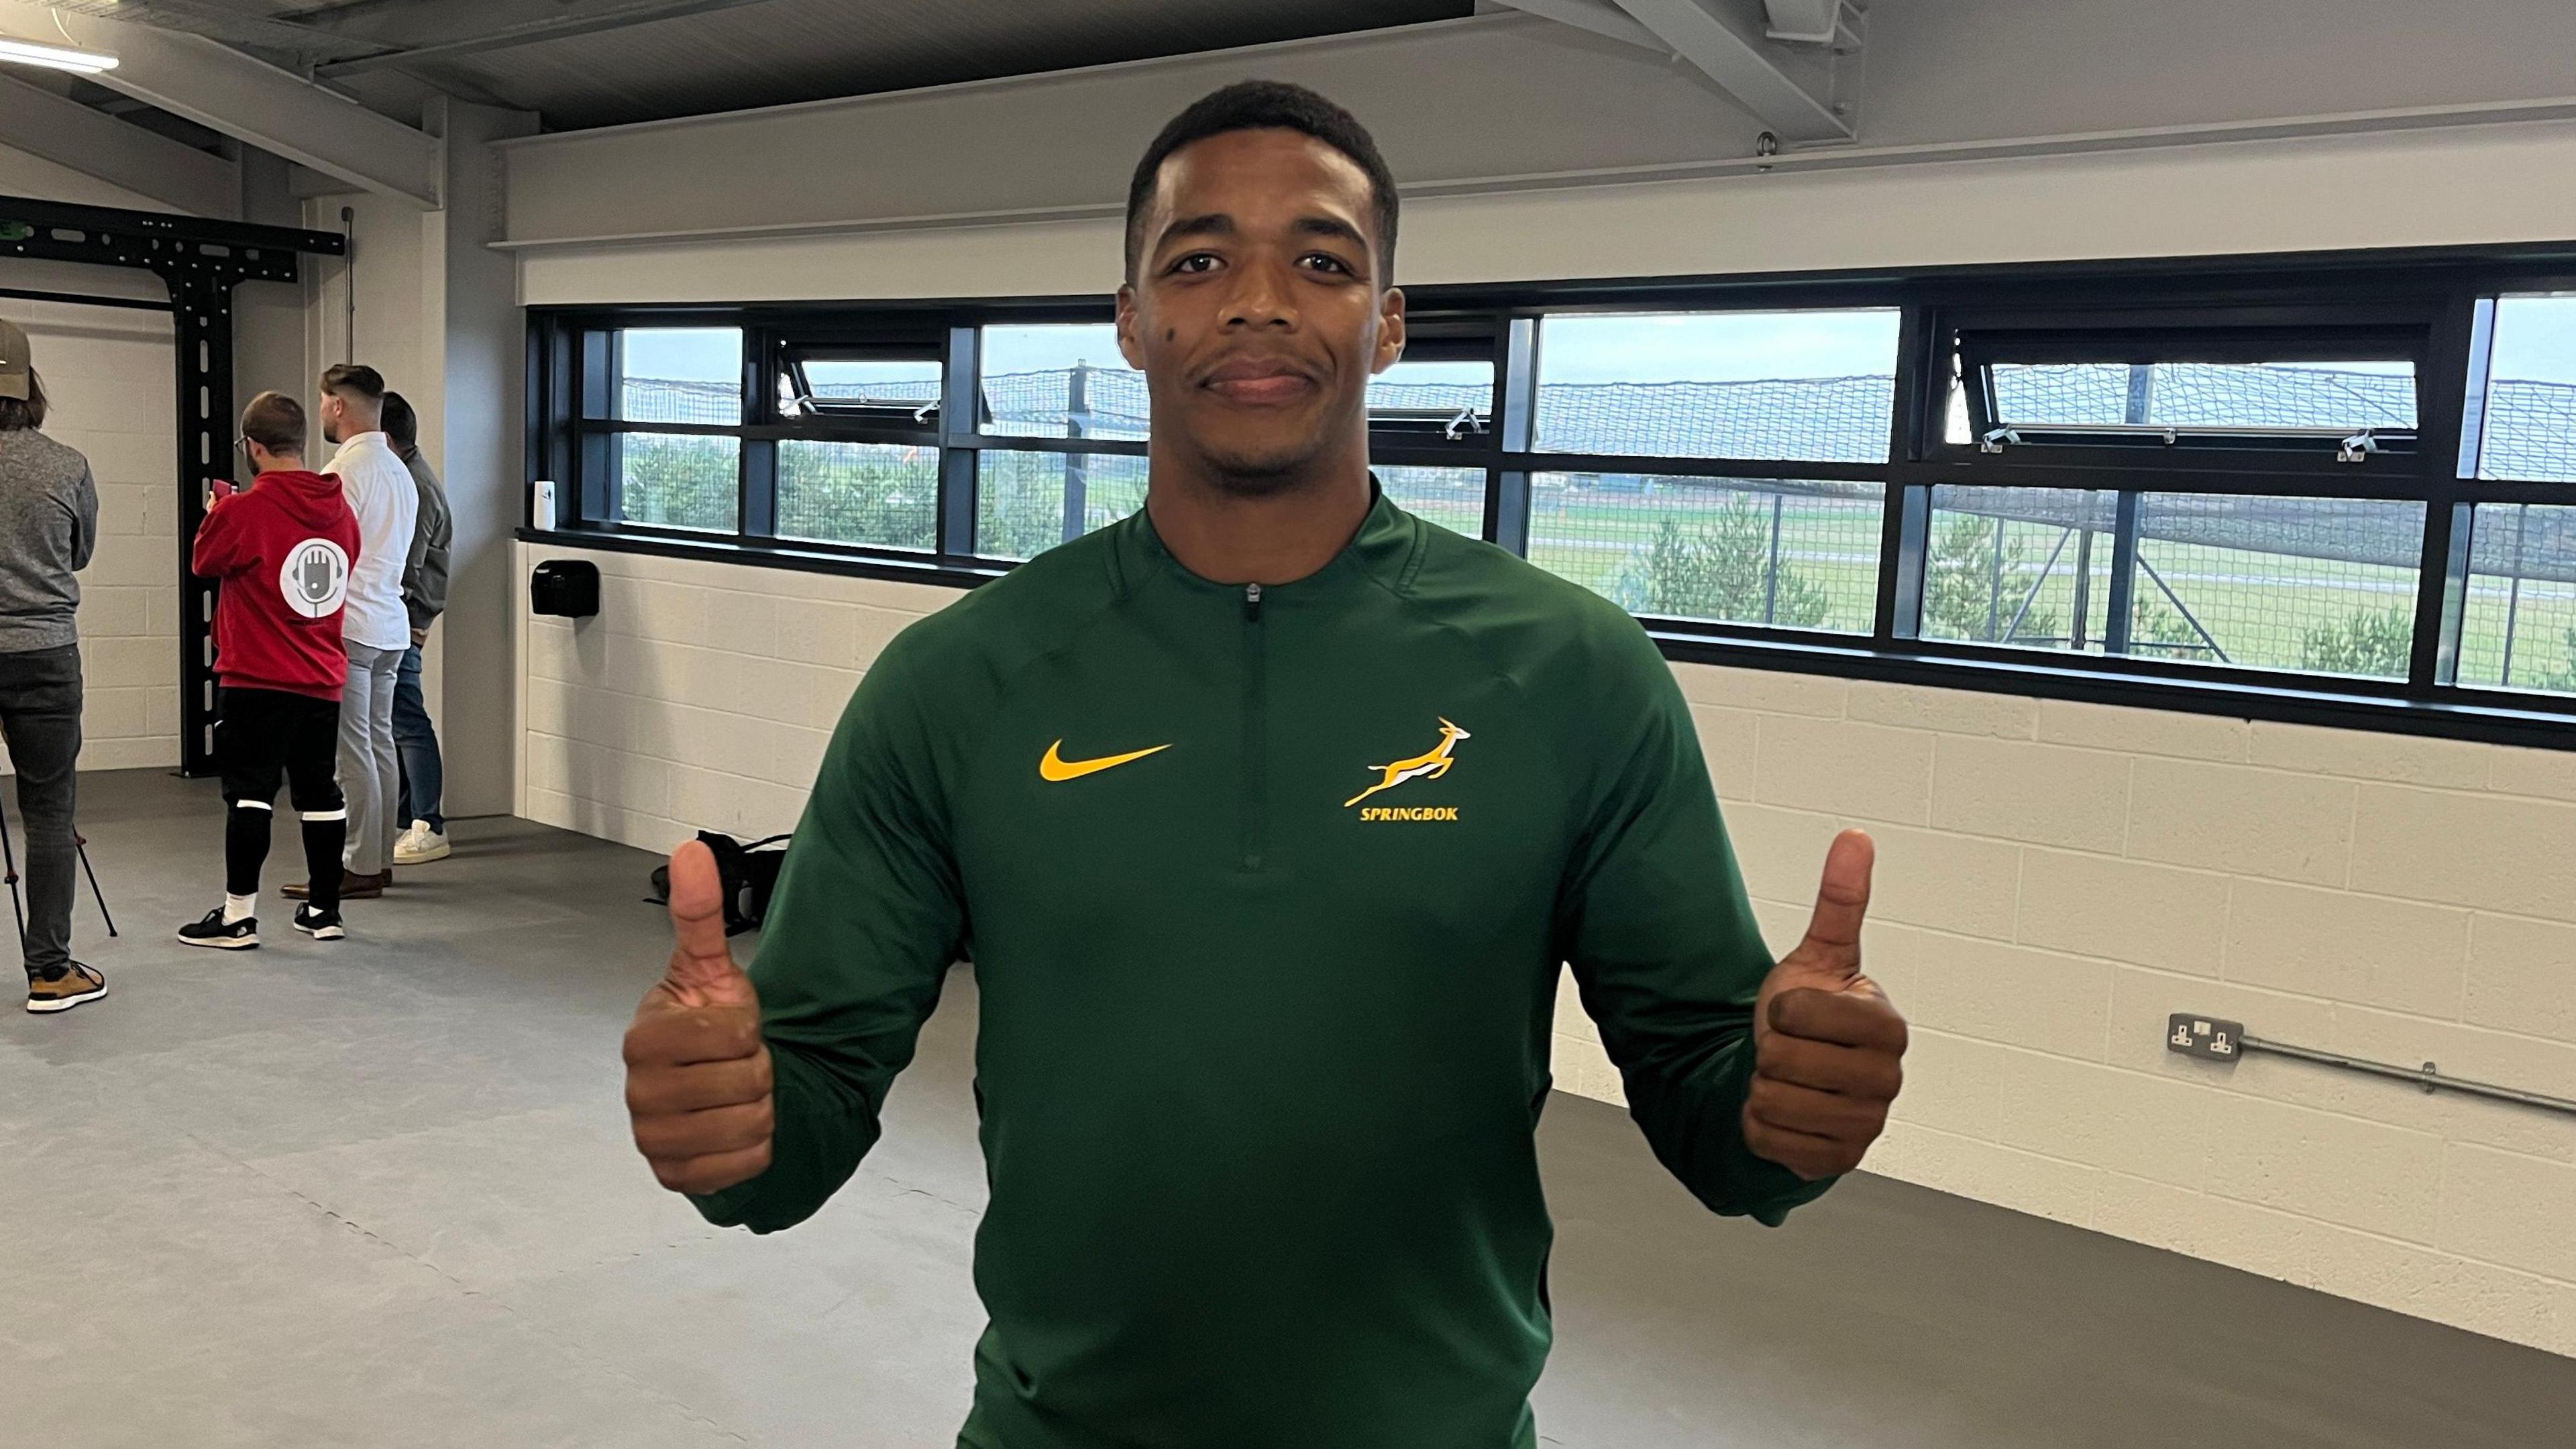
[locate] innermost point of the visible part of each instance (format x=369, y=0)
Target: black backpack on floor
x=749, y=870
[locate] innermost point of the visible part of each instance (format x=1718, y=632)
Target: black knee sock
x=322, y=842
x=245, y=848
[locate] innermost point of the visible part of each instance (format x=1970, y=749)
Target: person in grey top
x=48, y=528
x=424, y=836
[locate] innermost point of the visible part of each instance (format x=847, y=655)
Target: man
x=424, y=837
x=285, y=551
x=1271, y=812
x=375, y=627
x=48, y=528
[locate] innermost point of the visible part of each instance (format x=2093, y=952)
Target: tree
x=2563, y=680
x=680, y=482
x=2368, y=641
x=1961, y=598
x=1722, y=569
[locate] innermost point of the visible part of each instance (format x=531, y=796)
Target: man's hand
x=697, y=1073
x=1827, y=1045
x=419, y=637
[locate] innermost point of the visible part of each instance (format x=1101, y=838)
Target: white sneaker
x=419, y=845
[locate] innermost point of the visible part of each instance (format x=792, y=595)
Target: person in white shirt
x=375, y=626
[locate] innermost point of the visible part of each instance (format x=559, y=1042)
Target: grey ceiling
x=582, y=63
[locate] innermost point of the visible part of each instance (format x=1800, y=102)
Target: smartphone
x=220, y=489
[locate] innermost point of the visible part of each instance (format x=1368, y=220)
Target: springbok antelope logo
x=1430, y=765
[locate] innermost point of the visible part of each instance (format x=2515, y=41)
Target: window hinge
x=1467, y=421
x=2357, y=448
x=1994, y=441
x=922, y=413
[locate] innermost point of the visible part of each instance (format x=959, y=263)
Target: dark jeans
x=416, y=747
x=40, y=707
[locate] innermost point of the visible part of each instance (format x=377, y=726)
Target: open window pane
x=2519, y=628
x=1793, y=385
x=1025, y=501
x=885, y=495
x=679, y=480
x=1060, y=381
x=680, y=375
x=1746, y=551
x=2207, y=397
x=2030, y=567
x=1454, y=498
x=1449, y=400
x=904, y=387
x=2324, y=585
x=2530, y=417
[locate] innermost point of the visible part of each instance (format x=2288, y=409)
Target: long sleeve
x=84, y=519
x=865, y=923
x=1666, y=953
x=217, y=552
x=425, y=570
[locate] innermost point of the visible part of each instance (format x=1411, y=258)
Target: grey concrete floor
x=379, y=1193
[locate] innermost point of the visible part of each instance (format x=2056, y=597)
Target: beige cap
x=14, y=362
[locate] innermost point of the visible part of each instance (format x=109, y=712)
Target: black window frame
x=2437, y=301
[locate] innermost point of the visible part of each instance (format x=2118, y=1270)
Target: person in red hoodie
x=282, y=551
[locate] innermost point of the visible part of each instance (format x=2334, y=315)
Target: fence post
x=1771, y=585
x=1077, y=466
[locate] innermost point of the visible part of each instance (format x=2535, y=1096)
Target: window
x=1060, y=381
x=1806, y=386
x=2335, y=492
x=882, y=494
x=2518, y=630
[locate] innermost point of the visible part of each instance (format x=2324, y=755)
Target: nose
x=1261, y=298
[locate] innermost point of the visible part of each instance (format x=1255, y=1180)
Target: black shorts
x=261, y=734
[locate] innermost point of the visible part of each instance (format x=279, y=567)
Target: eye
x=1326, y=261
x=1196, y=262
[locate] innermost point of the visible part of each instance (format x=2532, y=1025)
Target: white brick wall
x=109, y=374
x=2054, y=879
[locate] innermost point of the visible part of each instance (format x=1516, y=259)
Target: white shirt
x=381, y=493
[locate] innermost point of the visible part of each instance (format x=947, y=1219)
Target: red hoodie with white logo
x=283, y=551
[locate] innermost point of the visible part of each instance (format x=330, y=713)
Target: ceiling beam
x=508, y=27
x=1601, y=17
x=67, y=133
x=250, y=101
x=1789, y=91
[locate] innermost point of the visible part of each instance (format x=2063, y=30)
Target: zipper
x=1255, y=760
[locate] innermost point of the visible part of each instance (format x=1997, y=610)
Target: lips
x=1258, y=380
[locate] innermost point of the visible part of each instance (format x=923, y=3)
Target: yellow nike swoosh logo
x=1057, y=768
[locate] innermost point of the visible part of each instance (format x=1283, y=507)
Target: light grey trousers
x=370, y=771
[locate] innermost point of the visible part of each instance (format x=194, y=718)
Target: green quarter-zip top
x=1266, y=890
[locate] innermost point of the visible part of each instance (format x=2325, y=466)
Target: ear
x=1127, y=345
x=1390, y=330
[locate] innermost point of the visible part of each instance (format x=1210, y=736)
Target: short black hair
x=1257, y=105
x=402, y=425
x=354, y=377
x=275, y=422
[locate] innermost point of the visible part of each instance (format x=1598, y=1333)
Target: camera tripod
x=9, y=857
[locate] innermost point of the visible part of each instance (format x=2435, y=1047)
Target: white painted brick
x=1951, y=711
x=738, y=621
x=675, y=613
x=1890, y=954
x=1571, y=1019
x=139, y=753
x=2142, y=731
x=2477, y=1053
x=2042, y=794
x=1953, y=1083
x=132, y=661
x=1583, y=1069
x=770, y=689
x=2522, y=976
x=1770, y=691
x=828, y=694
x=2126, y=910
x=2216, y=1229
x=114, y=713
x=106, y=612
x=2345, y=947
x=2317, y=1164
x=2249, y=821
x=915, y=599
x=1869, y=771
x=2141, y=1000
x=2002, y=993
x=124, y=508
x=1729, y=742
x=1781, y=852
x=1784, y=925
x=549, y=706
x=1949, y=882
x=129, y=559
x=817, y=633
x=549, y=807
x=162, y=611
x=161, y=710
x=2008, y=1177
x=874, y=627
x=2509, y=1209
x=2491, y=851
x=2102, y=1116
x=796, y=755
x=547, y=760
x=2370, y=755
x=2546, y=774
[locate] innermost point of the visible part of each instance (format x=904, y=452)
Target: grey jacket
x=48, y=529
x=425, y=572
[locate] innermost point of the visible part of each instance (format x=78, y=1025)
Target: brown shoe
x=353, y=887
x=78, y=984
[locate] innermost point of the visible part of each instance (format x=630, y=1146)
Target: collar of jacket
x=1387, y=549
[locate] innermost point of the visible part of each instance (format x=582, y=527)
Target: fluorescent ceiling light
x=56, y=57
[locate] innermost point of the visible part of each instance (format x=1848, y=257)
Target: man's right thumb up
x=702, y=971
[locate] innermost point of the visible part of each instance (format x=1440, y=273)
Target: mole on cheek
x=1171, y=334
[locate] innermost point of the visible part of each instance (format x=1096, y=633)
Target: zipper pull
x=1252, y=603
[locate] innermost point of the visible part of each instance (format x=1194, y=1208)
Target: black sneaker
x=241, y=935
x=320, y=925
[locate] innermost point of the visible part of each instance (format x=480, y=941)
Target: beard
x=330, y=431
